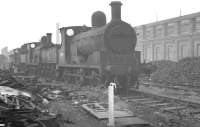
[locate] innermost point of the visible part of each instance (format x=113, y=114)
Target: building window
x=197, y=24
x=170, y=52
x=159, y=31
x=198, y=49
x=183, y=51
x=147, y=54
x=171, y=29
x=149, y=32
x=157, y=53
x=185, y=26
x=139, y=34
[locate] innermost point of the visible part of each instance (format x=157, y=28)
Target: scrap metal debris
x=20, y=104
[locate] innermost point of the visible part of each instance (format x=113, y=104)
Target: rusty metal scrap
x=19, y=105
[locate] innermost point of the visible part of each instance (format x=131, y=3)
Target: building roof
x=175, y=19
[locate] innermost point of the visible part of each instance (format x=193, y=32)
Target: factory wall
x=171, y=39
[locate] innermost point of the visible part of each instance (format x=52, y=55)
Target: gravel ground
x=77, y=115
x=81, y=118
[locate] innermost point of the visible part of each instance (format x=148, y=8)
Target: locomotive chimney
x=48, y=37
x=116, y=10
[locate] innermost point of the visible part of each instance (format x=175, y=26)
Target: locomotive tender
x=103, y=52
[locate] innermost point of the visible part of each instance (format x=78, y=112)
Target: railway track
x=162, y=111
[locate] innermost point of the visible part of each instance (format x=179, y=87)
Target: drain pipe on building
x=111, y=119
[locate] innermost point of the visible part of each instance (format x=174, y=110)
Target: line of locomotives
x=102, y=53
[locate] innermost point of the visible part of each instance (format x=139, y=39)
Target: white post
x=17, y=102
x=5, y=98
x=111, y=120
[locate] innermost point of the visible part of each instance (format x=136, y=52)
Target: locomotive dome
x=98, y=19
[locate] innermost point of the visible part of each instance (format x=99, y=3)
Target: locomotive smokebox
x=116, y=10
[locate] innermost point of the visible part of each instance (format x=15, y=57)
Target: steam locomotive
x=101, y=53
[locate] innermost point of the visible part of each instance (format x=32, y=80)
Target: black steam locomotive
x=101, y=53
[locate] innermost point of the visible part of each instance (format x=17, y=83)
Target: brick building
x=171, y=39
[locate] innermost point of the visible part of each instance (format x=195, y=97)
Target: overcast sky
x=23, y=21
